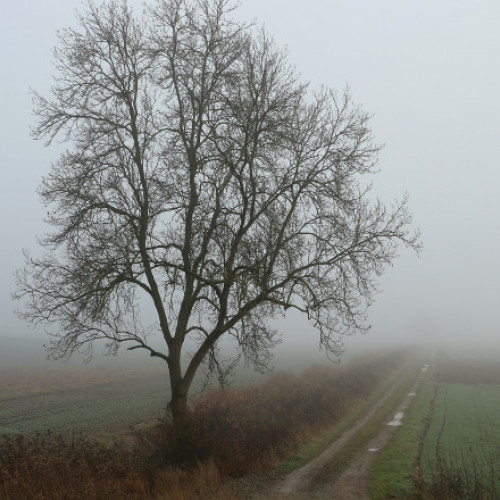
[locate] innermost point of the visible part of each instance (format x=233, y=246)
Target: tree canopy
x=203, y=175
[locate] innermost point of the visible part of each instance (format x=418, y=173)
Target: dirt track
x=353, y=482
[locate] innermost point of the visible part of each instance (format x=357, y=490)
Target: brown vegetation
x=50, y=467
x=226, y=434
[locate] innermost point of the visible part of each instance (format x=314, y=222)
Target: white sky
x=428, y=71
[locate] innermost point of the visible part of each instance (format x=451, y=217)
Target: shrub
x=249, y=429
x=50, y=466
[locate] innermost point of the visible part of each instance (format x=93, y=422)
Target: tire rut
x=353, y=482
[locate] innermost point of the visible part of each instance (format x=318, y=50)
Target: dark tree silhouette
x=201, y=175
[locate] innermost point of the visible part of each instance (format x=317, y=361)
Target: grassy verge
x=393, y=472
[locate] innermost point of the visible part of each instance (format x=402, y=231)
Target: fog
x=429, y=74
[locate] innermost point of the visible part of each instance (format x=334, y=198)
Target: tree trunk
x=178, y=390
x=178, y=406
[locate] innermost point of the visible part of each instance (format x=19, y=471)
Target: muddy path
x=353, y=482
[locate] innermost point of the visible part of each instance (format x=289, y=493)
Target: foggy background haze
x=429, y=74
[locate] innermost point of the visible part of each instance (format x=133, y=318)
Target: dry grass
x=227, y=434
x=48, y=466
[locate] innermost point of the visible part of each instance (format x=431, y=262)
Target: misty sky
x=429, y=73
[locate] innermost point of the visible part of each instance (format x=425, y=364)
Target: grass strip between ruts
x=393, y=472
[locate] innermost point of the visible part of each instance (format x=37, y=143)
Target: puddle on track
x=397, y=419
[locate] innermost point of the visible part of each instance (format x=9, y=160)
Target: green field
x=100, y=408
x=449, y=444
x=463, y=437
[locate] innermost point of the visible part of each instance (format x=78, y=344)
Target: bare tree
x=201, y=175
